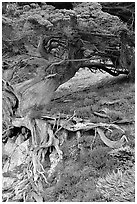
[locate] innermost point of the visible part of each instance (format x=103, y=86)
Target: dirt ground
x=86, y=93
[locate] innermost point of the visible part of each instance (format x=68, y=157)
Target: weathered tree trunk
x=35, y=93
x=127, y=55
x=132, y=69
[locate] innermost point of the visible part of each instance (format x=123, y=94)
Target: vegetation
x=66, y=144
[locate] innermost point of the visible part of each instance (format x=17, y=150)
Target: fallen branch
x=65, y=123
x=110, y=143
x=111, y=102
x=101, y=115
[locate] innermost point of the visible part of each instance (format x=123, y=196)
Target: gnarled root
x=43, y=138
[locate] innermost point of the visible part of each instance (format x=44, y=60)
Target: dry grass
x=78, y=184
x=118, y=187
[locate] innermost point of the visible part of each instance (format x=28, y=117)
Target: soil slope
x=86, y=93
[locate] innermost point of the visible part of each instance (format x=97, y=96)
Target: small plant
x=118, y=187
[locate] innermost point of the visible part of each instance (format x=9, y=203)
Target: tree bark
x=35, y=94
